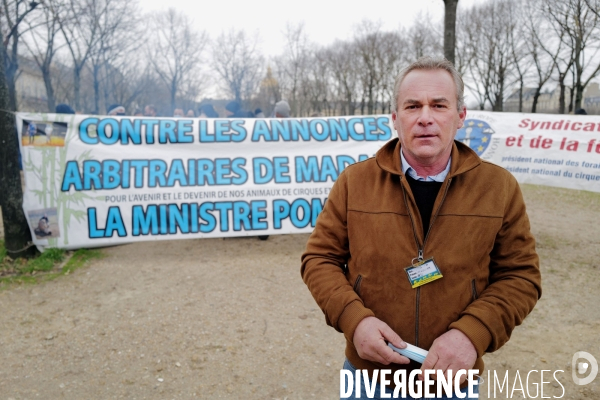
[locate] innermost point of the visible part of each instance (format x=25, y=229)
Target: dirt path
x=231, y=318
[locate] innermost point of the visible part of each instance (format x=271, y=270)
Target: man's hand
x=451, y=351
x=369, y=339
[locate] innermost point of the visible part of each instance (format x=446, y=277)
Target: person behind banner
x=208, y=111
x=234, y=110
x=258, y=113
x=64, y=109
x=282, y=109
x=425, y=243
x=115, y=110
x=149, y=111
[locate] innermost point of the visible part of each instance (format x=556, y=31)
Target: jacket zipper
x=357, y=284
x=420, y=248
x=474, y=290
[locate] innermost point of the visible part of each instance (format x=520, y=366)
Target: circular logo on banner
x=476, y=134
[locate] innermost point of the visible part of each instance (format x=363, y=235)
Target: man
x=423, y=197
x=208, y=111
x=115, y=110
x=258, y=113
x=150, y=111
x=234, y=110
x=282, y=109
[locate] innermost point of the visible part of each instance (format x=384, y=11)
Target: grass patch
x=47, y=266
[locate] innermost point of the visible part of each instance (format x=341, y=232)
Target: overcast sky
x=324, y=20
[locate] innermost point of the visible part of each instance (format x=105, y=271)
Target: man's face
x=149, y=112
x=427, y=117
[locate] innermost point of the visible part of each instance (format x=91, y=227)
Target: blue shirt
x=410, y=171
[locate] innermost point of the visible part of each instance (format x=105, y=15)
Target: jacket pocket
x=474, y=290
x=357, y=284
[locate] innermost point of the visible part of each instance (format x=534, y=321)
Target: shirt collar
x=410, y=171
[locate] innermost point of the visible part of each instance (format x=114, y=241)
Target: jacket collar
x=463, y=158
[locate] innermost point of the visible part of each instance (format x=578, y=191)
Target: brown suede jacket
x=370, y=230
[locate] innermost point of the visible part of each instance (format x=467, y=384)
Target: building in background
x=548, y=101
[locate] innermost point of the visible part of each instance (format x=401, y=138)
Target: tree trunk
x=50, y=100
x=561, y=98
x=96, y=71
x=450, y=29
x=536, y=96
x=11, y=83
x=174, y=97
x=521, y=94
x=17, y=236
x=499, y=106
x=578, y=96
x=571, y=94
x=76, y=85
x=12, y=66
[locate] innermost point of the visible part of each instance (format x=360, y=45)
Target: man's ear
x=462, y=115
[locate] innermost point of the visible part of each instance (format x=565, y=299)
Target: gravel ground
x=231, y=318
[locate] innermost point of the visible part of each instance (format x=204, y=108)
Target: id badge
x=423, y=272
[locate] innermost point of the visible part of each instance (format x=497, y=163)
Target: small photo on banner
x=44, y=223
x=43, y=133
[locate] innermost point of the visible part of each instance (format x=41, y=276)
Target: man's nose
x=425, y=116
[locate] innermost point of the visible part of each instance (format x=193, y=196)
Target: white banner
x=96, y=181
x=541, y=149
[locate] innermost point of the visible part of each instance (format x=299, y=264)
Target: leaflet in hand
x=413, y=352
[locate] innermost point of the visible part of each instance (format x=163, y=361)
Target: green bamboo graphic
x=49, y=173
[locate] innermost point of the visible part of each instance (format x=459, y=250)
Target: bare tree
x=292, y=65
x=521, y=58
x=42, y=45
x=176, y=53
x=340, y=57
x=582, y=27
x=368, y=41
x=316, y=84
x=543, y=49
x=126, y=83
x=80, y=29
x=17, y=235
x=239, y=63
x=422, y=38
x=116, y=35
x=492, y=62
x=12, y=13
x=392, y=57
x=464, y=35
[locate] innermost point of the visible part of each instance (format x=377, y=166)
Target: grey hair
x=429, y=63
